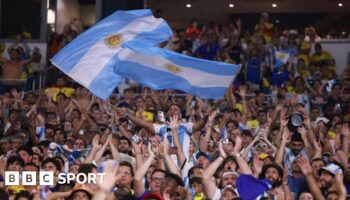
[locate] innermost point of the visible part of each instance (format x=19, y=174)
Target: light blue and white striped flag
x=123, y=45
x=90, y=58
x=282, y=57
x=160, y=69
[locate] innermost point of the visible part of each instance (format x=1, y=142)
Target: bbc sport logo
x=15, y=178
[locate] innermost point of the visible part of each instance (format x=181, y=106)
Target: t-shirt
x=279, y=77
x=208, y=51
x=254, y=71
x=295, y=184
x=185, y=131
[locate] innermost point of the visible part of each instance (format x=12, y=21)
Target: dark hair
x=174, y=104
x=125, y=138
x=262, y=175
x=13, y=159
x=123, y=193
x=53, y=161
x=86, y=168
x=3, y=194
x=231, y=121
x=191, y=170
x=127, y=164
x=158, y=170
x=296, y=137
x=39, y=147
x=176, y=178
x=26, y=149
x=318, y=159
x=60, y=159
x=231, y=158
x=195, y=180
x=24, y=194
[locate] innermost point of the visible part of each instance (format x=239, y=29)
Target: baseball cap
x=331, y=168
x=323, y=119
x=234, y=173
x=203, y=154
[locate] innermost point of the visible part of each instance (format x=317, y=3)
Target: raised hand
x=95, y=142
x=302, y=130
x=174, y=123
x=286, y=136
x=137, y=147
x=284, y=122
x=345, y=130
x=238, y=145
x=242, y=91
x=109, y=179
x=15, y=94
x=222, y=151
x=304, y=166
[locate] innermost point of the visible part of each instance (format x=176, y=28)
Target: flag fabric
x=89, y=59
x=160, y=69
x=281, y=58
x=124, y=45
x=249, y=187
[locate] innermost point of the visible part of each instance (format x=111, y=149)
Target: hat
x=262, y=156
x=234, y=173
x=331, y=168
x=230, y=188
x=203, y=154
x=80, y=187
x=5, y=139
x=216, y=129
x=153, y=196
x=323, y=119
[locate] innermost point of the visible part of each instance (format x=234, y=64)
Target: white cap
x=332, y=168
x=323, y=119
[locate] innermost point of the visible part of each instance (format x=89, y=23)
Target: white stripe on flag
x=98, y=56
x=194, y=76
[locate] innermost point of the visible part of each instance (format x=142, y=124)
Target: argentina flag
x=90, y=58
x=160, y=69
x=282, y=57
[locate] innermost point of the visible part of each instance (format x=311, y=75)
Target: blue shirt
x=253, y=71
x=296, y=183
x=208, y=51
x=279, y=77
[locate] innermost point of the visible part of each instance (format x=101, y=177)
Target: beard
x=325, y=185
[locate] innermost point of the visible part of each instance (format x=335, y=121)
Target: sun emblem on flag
x=173, y=68
x=281, y=56
x=114, y=40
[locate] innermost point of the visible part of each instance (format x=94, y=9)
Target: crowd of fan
x=162, y=145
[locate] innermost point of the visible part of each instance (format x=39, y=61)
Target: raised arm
x=280, y=153
x=95, y=147
x=3, y=60
x=141, y=172
x=243, y=165
x=345, y=132
x=174, y=125
x=242, y=93
x=209, y=186
x=307, y=171
x=136, y=120
x=308, y=147
x=168, y=160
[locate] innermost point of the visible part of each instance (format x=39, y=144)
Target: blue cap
x=203, y=154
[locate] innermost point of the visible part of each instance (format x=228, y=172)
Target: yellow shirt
x=65, y=90
x=253, y=123
x=148, y=116
x=324, y=56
